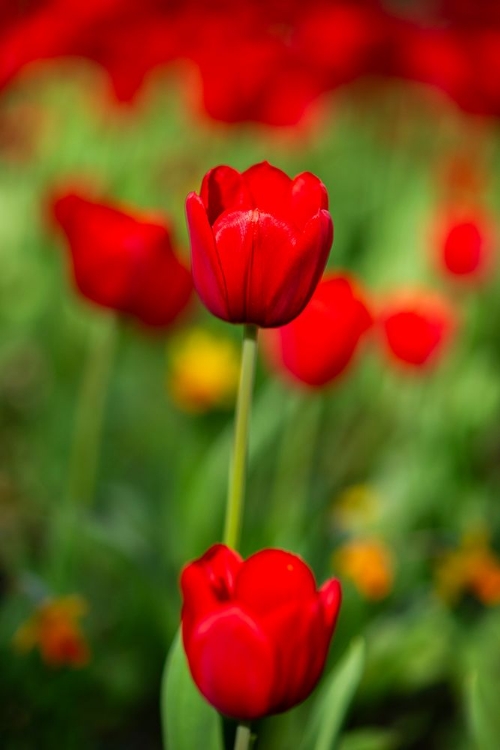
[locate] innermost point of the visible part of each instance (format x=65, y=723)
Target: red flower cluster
x=319, y=344
x=123, y=261
x=256, y=632
x=264, y=61
x=259, y=242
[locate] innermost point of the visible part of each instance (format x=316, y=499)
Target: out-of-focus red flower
x=319, y=344
x=465, y=246
x=256, y=632
x=416, y=326
x=341, y=41
x=124, y=261
x=259, y=242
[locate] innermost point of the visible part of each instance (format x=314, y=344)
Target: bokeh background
x=388, y=477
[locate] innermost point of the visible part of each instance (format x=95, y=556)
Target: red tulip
x=320, y=343
x=465, y=246
x=416, y=326
x=259, y=242
x=256, y=632
x=124, y=261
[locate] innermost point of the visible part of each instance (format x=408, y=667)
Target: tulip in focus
x=259, y=243
x=124, y=261
x=320, y=343
x=256, y=632
x=204, y=371
x=416, y=327
x=54, y=629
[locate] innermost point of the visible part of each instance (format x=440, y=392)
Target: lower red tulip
x=124, y=261
x=416, y=326
x=256, y=632
x=320, y=343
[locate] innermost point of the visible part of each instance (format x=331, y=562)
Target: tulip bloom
x=122, y=261
x=259, y=243
x=256, y=632
x=416, y=327
x=465, y=247
x=319, y=344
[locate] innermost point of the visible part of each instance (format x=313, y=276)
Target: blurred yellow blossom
x=472, y=568
x=203, y=372
x=368, y=564
x=54, y=629
x=356, y=507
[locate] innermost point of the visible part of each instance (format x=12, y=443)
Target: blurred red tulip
x=320, y=343
x=465, y=246
x=416, y=326
x=124, y=261
x=259, y=242
x=256, y=632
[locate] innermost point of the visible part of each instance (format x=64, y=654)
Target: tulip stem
x=243, y=735
x=237, y=472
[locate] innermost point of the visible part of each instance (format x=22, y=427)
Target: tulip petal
x=273, y=577
x=270, y=189
x=308, y=197
x=297, y=630
x=233, y=664
x=207, y=270
x=331, y=598
x=300, y=269
x=223, y=189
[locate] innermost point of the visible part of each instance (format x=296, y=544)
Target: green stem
x=237, y=472
x=89, y=415
x=243, y=735
x=83, y=461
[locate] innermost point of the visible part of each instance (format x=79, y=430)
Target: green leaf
x=482, y=699
x=188, y=721
x=335, y=699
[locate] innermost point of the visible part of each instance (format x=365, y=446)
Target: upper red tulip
x=416, y=326
x=123, y=261
x=259, y=242
x=320, y=343
x=256, y=632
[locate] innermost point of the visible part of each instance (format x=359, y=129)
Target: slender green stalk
x=237, y=472
x=84, y=456
x=89, y=415
x=243, y=736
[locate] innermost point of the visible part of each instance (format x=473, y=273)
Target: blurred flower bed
x=375, y=441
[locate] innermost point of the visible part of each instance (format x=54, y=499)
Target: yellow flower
x=53, y=628
x=368, y=564
x=471, y=568
x=356, y=508
x=204, y=371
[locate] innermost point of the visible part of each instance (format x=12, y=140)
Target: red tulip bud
x=256, y=632
x=259, y=243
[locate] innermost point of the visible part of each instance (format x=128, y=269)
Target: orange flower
x=53, y=628
x=368, y=564
x=204, y=371
x=472, y=568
